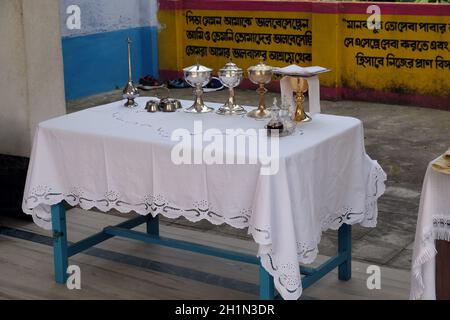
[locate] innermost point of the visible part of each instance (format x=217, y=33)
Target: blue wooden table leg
x=60, y=256
x=345, y=249
x=266, y=287
x=153, y=225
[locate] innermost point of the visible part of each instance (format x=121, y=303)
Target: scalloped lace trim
x=43, y=197
x=439, y=231
x=286, y=276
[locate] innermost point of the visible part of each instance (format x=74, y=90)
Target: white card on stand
x=295, y=70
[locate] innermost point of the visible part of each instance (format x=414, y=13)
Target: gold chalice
x=300, y=86
x=260, y=74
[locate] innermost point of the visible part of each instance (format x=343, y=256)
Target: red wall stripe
x=418, y=9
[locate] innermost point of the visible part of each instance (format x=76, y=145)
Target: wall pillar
x=326, y=48
x=31, y=73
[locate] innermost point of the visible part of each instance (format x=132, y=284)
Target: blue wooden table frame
x=62, y=251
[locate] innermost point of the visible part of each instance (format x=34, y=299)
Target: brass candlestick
x=300, y=86
x=130, y=92
x=261, y=74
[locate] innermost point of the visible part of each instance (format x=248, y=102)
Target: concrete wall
x=407, y=61
x=95, y=55
x=31, y=73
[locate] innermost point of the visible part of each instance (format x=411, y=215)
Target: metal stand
x=60, y=256
x=62, y=251
x=153, y=225
x=266, y=287
x=345, y=250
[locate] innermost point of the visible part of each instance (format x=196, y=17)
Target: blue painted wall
x=95, y=56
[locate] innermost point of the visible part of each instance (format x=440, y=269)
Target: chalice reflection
x=261, y=74
x=300, y=86
x=231, y=76
x=198, y=76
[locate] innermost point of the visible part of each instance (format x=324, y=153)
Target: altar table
x=111, y=157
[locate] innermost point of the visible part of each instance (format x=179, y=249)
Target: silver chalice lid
x=197, y=68
x=230, y=66
x=260, y=67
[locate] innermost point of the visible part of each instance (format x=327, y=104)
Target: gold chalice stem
x=262, y=94
x=300, y=114
x=299, y=110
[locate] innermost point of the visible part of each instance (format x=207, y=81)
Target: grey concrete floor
x=403, y=139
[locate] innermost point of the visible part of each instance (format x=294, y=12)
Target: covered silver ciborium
x=261, y=74
x=198, y=76
x=231, y=76
x=130, y=92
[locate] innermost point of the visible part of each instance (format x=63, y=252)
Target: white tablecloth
x=433, y=223
x=113, y=157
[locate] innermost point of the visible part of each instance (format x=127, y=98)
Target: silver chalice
x=231, y=76
x=198, y=76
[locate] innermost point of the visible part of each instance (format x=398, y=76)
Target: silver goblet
x=198, y=76
x=231, y=76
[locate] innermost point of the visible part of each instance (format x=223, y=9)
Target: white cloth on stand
x=314, y=94
x=433, y=223
x=112, y=157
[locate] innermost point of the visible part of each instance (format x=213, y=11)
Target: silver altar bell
x=198, y=76
x=231, y=76
x=130, y=92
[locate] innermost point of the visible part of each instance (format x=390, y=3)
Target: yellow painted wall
x=326, y=47
x=171, y=37
x=427, y=80
x=331, y=47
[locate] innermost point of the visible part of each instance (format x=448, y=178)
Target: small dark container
x=275, y=126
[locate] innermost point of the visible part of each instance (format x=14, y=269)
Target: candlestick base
x=130, y=103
